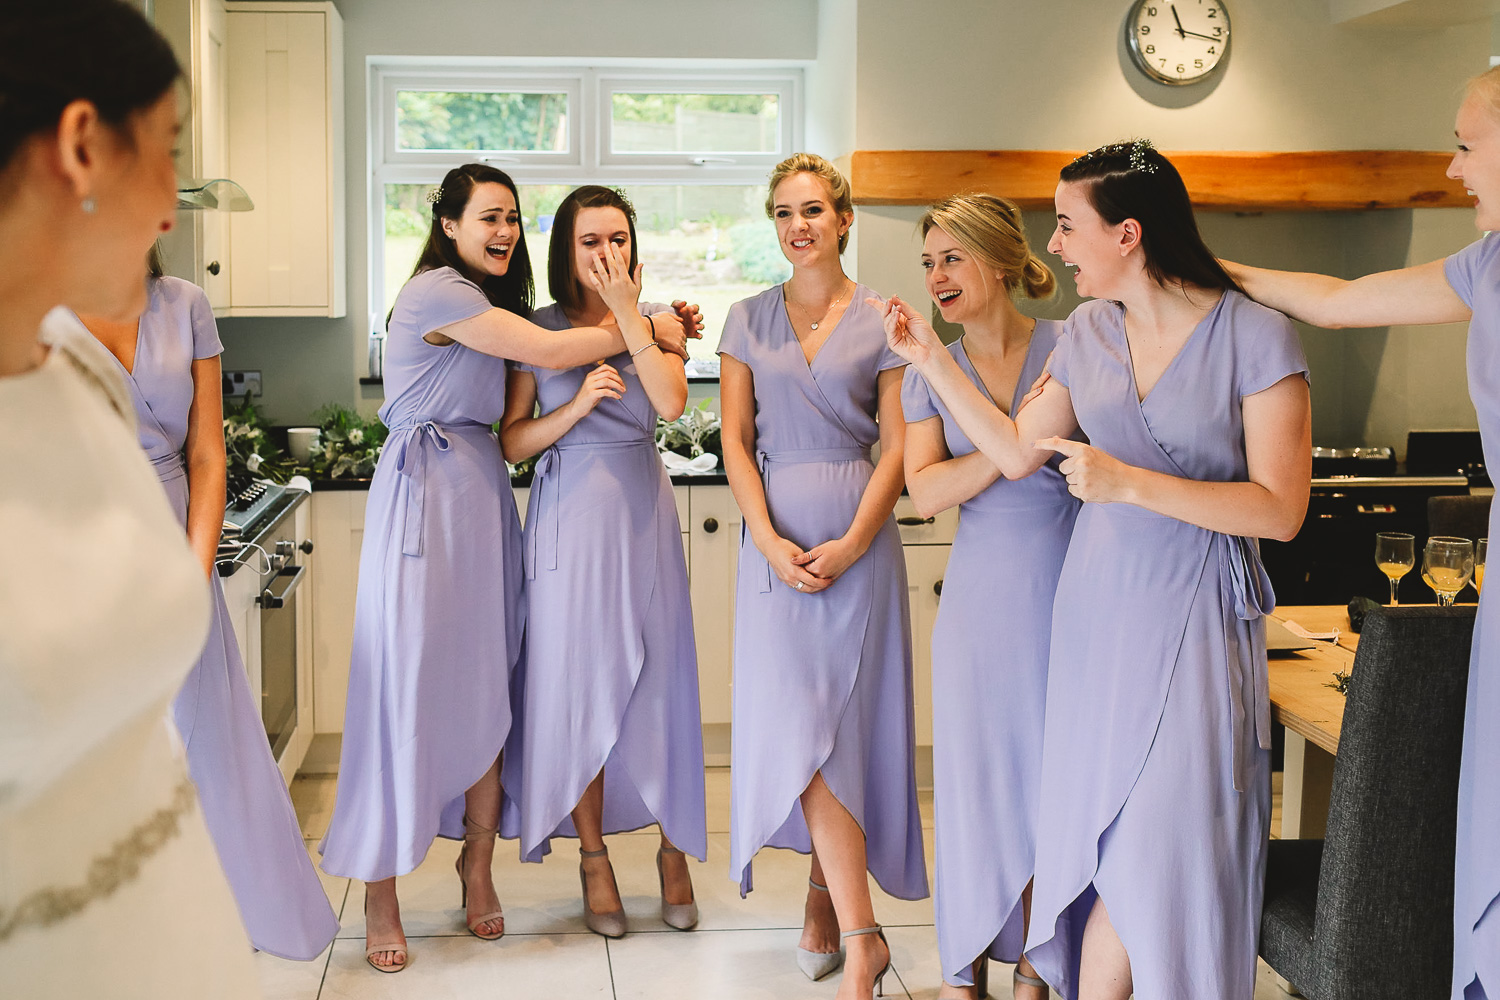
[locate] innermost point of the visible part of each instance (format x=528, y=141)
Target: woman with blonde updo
x=1462, y=287
x=991, y=640
x=823, y=730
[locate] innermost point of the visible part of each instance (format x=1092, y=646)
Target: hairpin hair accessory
x=435, y=195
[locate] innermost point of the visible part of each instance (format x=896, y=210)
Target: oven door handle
x=273, y=601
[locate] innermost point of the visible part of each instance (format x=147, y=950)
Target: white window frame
x=588, y=159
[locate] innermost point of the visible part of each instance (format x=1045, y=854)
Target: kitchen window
x=691, y=151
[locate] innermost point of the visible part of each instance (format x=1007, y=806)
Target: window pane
x=695, y=123
x=499, y=122
x=408, y=215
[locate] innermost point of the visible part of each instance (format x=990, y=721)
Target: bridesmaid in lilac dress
x=1465, y=286
x=990, y=643
x=603, y=545
x=1195, y=402
x=170, y=362
x=438, y=614
x=823, y=728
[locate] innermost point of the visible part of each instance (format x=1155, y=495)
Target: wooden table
x=1313, y=714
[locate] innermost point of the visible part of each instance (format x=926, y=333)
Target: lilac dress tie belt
x=798, y=456
x=1246, y=590
x=542, y=518
x=169, y=467
x=413, y=442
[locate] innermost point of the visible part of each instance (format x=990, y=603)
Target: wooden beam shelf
x=1325, y=180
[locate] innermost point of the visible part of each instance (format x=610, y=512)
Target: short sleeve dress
x=1474, y=273
x=609, y=679
x=245, y=801
x=439, y=612
x=989, y=682
x=822, y=682
x=96, y=638
x=1158, y=703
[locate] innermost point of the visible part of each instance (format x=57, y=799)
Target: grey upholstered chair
x=1459, y=516
x=1367, y=912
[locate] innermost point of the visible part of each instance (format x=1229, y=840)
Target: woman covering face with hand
x=1195, y=403
x=823, y=736
x=109, y=883
x=609, y=651
x=439, y=610
x=1463, y=287
x=991, y=639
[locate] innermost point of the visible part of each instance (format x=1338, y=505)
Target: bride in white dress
x=109, y=885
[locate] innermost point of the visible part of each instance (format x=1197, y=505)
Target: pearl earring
x=89, y=206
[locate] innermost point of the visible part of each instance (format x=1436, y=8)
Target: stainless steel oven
x=279, y=608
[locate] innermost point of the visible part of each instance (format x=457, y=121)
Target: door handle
x=273, y=601
x=912, y=522
x=710, y=525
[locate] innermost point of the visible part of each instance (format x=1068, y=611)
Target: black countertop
x=519, y=482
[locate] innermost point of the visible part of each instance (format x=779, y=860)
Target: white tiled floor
x=741, y=950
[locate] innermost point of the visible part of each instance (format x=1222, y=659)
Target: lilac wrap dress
x=245, y=802
x=1474, y=273
x=1156, y=792
x=989, y=683
x=822, y=682
x=439, y=612
x=609, y=679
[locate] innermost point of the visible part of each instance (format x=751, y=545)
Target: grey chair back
x=1459, y=517
x=1384, y=913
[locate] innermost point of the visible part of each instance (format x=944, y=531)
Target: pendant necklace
x=831, y=307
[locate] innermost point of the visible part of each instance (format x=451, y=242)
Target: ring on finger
x=799, y=585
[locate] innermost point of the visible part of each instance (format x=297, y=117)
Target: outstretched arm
x=1006, y=443
x=1411, y=296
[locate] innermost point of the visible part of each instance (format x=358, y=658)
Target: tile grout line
x=609, y=962
x=323, y=979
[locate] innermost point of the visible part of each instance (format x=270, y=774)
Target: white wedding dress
x=109, y=885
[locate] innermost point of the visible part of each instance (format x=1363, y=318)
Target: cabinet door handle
x=912, y=522
x=710, y=525
x=213, y=267
x=937, y=588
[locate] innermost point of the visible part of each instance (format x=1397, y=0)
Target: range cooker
x=259, y=537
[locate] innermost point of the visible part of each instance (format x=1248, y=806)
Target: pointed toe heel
x=682, y=916
x=611, y=924
x=817, y=964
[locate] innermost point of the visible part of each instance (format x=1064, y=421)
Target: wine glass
x=1479, y=553
x=1447, y=564
x=1395, y=554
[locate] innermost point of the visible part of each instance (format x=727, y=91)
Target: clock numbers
x=1178, y=41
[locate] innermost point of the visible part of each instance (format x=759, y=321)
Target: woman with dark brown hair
x=439, y=609
x=603, y=546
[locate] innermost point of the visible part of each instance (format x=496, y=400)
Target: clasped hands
x=814, y=569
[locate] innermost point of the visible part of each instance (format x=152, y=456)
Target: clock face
x=1178, y=41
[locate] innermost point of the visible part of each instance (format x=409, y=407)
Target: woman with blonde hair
x=992, y=636
x=823, y=731
x=1462, y=287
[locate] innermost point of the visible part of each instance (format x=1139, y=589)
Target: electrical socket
x=238, y=383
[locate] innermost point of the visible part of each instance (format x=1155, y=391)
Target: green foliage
x=692, y=434
x=248, y=448
x=407, y=212
x=758, y=254
x=661, y=109
x=348, y=446
x=458, y=120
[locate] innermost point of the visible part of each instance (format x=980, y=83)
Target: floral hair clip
x=435, y=195
x=1138, y=161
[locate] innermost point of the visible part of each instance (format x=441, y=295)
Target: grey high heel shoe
x=611, y=924
x=1023, y=980
x=817, y=964
x=683, y=916
x=879, y=984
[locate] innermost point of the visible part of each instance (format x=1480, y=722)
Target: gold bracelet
x=640, y=349
x=107, y=873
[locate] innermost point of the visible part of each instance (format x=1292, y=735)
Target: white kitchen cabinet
x=713, y=552
x=285, y=101
x=198, y=249
x=338, y=531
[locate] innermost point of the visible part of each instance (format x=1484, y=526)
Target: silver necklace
x=832, y=305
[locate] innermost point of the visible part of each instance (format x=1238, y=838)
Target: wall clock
x=1178, y=42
